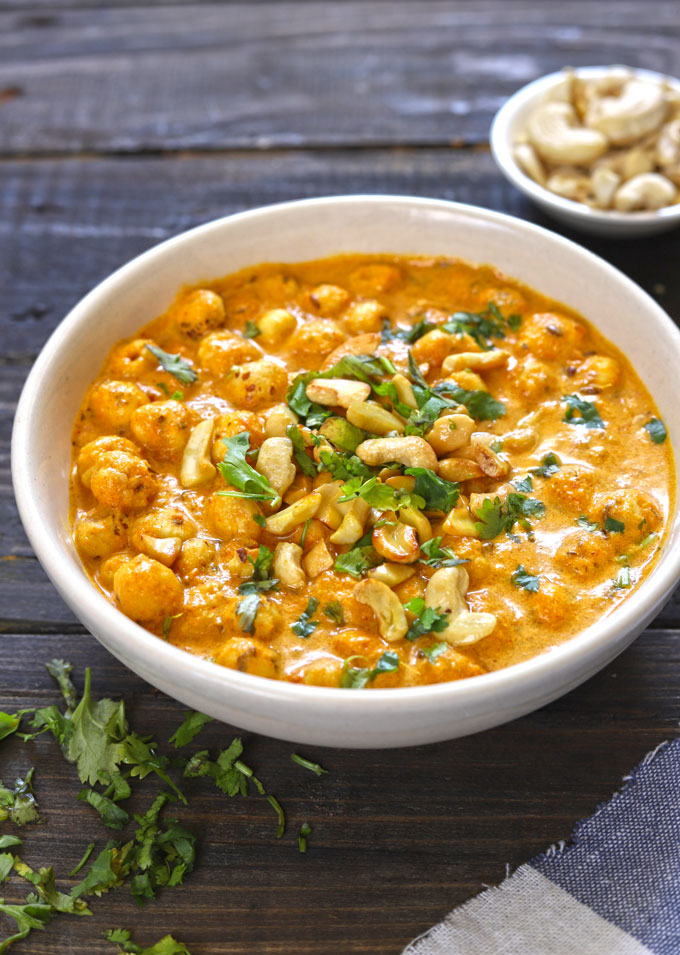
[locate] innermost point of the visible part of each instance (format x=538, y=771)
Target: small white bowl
x=513, y=118
x=295, y=231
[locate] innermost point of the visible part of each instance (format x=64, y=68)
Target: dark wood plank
x=419, y=830
x=298, y=74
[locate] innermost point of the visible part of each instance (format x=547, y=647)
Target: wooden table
x=126, y=123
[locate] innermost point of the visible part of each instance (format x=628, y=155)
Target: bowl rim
x=501, y=148
x=132, y=642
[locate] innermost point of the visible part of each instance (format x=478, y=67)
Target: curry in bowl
x=368, y=472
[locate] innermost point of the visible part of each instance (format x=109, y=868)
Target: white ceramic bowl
x=512, y=119
x=291, y=232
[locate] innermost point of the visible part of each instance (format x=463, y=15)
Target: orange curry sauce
x=556, y=505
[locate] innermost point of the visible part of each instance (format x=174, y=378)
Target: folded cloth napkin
x=614, y=890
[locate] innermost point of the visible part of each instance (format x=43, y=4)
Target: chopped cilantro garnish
x=335, y=612
x=525, y=485
x=623, y=580
x=480, y=404
x=305, y=626
x=496, y=516
x=246, y=611
x=435, y=651
x=191, y=727
x=302, y=459
x=261, y=579
x=382, y=497
x=343, y=467
x=356, y=678
x=164, y=946
x=175, y=365
x=236, y=471
x=303, y=535
x=426, y=619
x=19, y=804
x=522, y=578
x=657, y=430
x=111, y=814
x=359, y=559
x=587, y=412
x=83, y=859
x=612, y=526
x=32, y=915
x=586, y=524
x=404, y=334
x=9, y=723
x=438, y=556
x=496, y=446
x=251, y=329
x=308, y=764
x=260, y=519
x=281, y=819
x=549, y=465
x=437, y=493
x=479, y=325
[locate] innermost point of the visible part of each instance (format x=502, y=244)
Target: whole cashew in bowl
x=640, y=108
x=647, y=191
x=446, y=591
x=555, y=134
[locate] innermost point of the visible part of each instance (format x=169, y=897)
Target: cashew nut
x=292, y=516
x=640, y=108
x=331, y=512
x=396, y=542
x=372, y=417
x=404, y=390
x=459, y=469
x=277, y=420
x=337, y=391
x=569, y=183
x=412, y=452
x=528, y=162
x=352, y=527
x=446, y=591
x=489, y=461
x=449, y=433
x=318, y=559
x=475, y=361
x=668, y=144
x=647, y=191
x=636, y=161
x=603, y=183
x=417, y=520
x=391, y=574
x=555, y=134
x=197, y=468
x=275, y=461
x=385, y=605
x=287, y=566
x=459, y=523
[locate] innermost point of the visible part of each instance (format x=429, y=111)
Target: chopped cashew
x=446, y=591
x=318, y=559
x=459, y=522
x=527, y=160
x=352, y=527
x=277, y=420
x=197, y=468
x=386, y=606
x=331, y=513
x=287, y=565
x=603, y=183
x=569, y=183
x=459, y=469
x=475, y=361
x=372, y=417
x=337, y=391
x=555, y=135
x=417, y=520
x=275, y=461
x=412, y=452
x=451, y=432
x=489, y=461
x=391, y=574
x=295, y=514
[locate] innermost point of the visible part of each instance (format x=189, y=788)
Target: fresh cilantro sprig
x=549, y=466
x=437, y=493
x=175, y=365
x=582, y=412
x=496, y=516
x=302, y=459
x=438, y=556
x=237, y=471
x=189, y=728
x=482, y=326
x=359, y=559
x=529, y=582
x=308, y=764
x=425, y=619
x=382, y=497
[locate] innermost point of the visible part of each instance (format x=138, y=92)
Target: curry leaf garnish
x=612, y=526
x=656, y=430
x=191, y=727
x=308, y=764
x=438, y=493
x=438, y=556
x=580, y=411
x=236, y=471
x=522, y=578
x=426, y=619
x=435, y=651
x=304, y=627
x=175, y=365
x=549, y=466
x=496, y=516
x=335, y=612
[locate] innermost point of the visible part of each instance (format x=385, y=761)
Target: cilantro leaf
x=426, y=619
x=496, y=516
x=587, y=525
x=141, y=754
x=19, y=804
x=251, y=330
x=356, y=678
x=165, y=946
x=359, y=559
x=246, y=612
x=525, y=485
x=236, y=471
x=549, y=466
x=522, y=578
x=480, y=404
x=343, y=467
x=612, y=526
x=32, y=915
x=9, y=723
x=388, y=663
x=94, y=741
x=261, y=579
x=479, y=325
x=175, y=365
x=308, y=764
x=435, y=651
x=191, y=727
x=382, y=497
x=302, y=459
x=61, y=673
x=305, y=626
x=438, y=494
x=438, y=556
x=335, y=612
x=656, y=430
x=588, y=415
x=112, y=815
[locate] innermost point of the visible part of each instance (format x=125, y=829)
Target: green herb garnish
x=191, y=727
x=335, y=612
x=496, y=516
x=356, y=678
x=302, y=459
x=305, y=830
x=587, y=412
x=308, y=764
x=438, y=493
x=426, y=619
x=236, y=471
x=656, y=430
x=175, y=365
x=435, y=651
x=522, y=578
x=438, y=556
x=251, y=330
x=304, y=627
x=612, y=526
x=549, y=465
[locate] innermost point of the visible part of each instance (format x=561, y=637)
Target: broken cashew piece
x=491, y=463
x=386, y=606
x=446, y=591
x=527, y=160
x=352, y=527
x=412, y=452
x=275, y=461
x=391, y=574
x=197, y=468
x=288, y=566
x=295, y=514
x=337, y=391
x=475, y=361
x=555, y=134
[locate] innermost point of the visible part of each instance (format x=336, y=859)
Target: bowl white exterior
x=295, y=231
x=513, y=118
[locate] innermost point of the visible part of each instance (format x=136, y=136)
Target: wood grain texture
x=398, y=838
x=298, y=74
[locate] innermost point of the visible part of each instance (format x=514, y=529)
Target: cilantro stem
x=247, y=771
x=305, y=830
x=86, y=856
x=308, y=764
x=276, y=806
